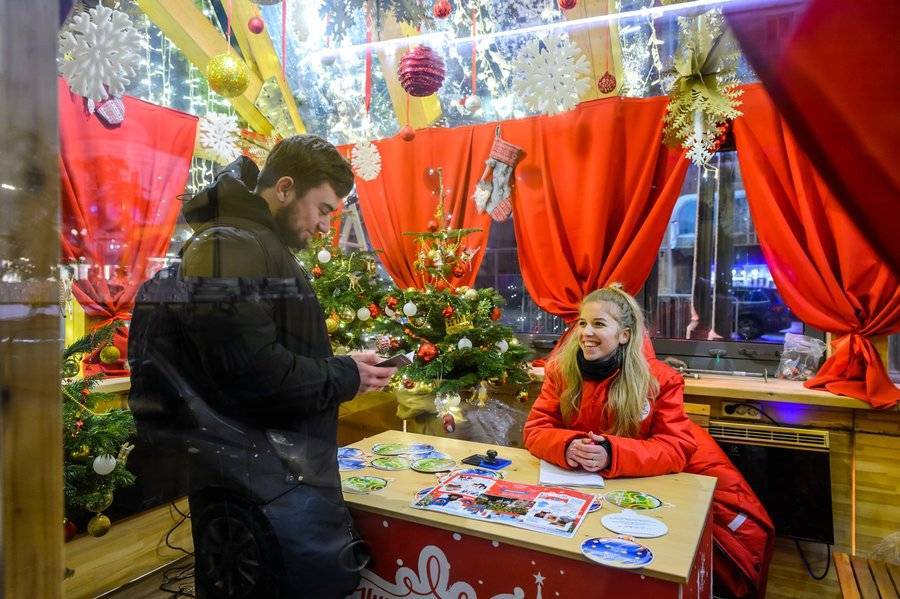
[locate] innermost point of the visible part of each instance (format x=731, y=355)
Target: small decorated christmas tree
x=95, y=441
x=460, y=346
x=352, y=295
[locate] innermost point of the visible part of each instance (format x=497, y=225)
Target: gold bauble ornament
x=331, y=323
x=110, y=354
x=347, y=315
x=522, y=396
x=102, y=504
x=99, y=525
x=227, y=74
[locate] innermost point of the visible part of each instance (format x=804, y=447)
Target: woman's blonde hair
x=633, y=385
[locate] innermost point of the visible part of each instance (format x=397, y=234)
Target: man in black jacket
x=262, y=358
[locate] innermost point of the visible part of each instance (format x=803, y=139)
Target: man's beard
x=290, y=238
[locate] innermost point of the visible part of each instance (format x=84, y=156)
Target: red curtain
x=593, y=198
x=404, y=196
x=823, y=263
x=830, y=67
x=119, y=201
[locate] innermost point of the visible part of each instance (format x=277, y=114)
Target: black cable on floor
x=806, y=562
x=178, y=580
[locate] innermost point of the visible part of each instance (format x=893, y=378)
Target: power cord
x=806, y=562
x=178, y=580
x=757, y=408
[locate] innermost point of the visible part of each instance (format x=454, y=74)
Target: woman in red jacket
x=604, y=406
x=608, y=405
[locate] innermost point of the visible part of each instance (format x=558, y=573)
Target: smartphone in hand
x=398, y=360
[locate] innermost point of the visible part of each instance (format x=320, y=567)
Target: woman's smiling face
x=599, y=331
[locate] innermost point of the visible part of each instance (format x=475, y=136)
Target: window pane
x=893, y=365
x=500, y=270
x=711, y=281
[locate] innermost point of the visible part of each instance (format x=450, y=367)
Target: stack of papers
x=554, y=475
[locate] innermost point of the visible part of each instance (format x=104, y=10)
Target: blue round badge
x=618, y=553
x=349, y=452
x=351, y=464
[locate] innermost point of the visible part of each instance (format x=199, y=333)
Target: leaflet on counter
x=552, y=510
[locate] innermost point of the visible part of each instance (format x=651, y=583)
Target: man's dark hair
x=310, y=161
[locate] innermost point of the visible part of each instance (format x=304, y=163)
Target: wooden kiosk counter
x=418, y=552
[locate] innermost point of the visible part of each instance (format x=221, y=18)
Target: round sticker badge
x=618, y=553
x=349, y=452
x=633, y=524
x=390, y=449
x=390, y=463
x=419, y=448
x=363, y=484
x=633, y=500
x=433, y=465
x=478, y=472
x=351, y=464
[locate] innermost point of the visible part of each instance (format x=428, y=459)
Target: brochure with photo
x=552, y=510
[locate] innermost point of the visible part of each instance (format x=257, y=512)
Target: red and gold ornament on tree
x=459, y=271
x=496, y=313
x=427, y=351
x=442, y=9
x=421, y=71
x=448, y=312
x=374, y=310
x=317, y=271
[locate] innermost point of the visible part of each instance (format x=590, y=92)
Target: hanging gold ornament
x=99, y=525
x=331, y=323
x=347, y=315
x=522, y=396
x=227, y=74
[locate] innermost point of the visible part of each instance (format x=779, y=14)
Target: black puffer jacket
x=265, y=357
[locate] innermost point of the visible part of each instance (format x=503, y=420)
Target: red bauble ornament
x=69, y=529
x=442, y=9
x=317, y=271
x=256, y=25
x=458, y=271
x=395, y=344
x=421, y=71
x=568, y=4
x=449, y=422
x=409, y=383
x=433, y=225
x=427, y=351
x=374, y=310
x=496, y=313
x=448, y=312
x=607, y=83
x=392, y=302
x=407, y=133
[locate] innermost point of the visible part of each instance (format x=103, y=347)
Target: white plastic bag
x=800, y=357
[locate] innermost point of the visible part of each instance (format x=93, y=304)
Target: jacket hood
x=230, y=196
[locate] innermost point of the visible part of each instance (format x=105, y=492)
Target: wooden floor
x=788, y=578
x=149, y=586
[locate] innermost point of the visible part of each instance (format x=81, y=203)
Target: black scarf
x=598, y=370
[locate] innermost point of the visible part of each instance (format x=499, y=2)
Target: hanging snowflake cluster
x=219, y=136
x=704, y=96
x=553, y=74
x=366, y=160
x=98, y=53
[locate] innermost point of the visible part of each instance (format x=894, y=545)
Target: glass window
x=711, y=281
x=893, y=365
x=500, y=270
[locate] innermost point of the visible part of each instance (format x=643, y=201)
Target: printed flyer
x=552, y=510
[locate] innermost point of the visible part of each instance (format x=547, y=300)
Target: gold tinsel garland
x=704, y=95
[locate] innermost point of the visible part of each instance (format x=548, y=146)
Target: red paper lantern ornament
x=392, y=302
x=374, y=310
x=256, y=25
x=427, y=351
x=568, y=4
x=407, y=133
x=317, y=271
x=458, y=272
x=496, y=313
x=442, y=9
x=421, y=71
x=448, y=312
x=607, y=83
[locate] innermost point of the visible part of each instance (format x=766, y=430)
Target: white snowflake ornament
x=219, y=136
x=98, y=53
x=366, y=160
x=553, y=74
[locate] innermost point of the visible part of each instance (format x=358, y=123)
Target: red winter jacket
x=663, y=445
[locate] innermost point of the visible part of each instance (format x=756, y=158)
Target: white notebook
x=554, y=475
